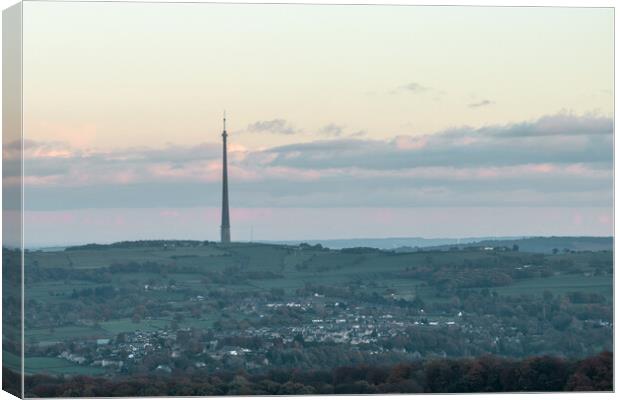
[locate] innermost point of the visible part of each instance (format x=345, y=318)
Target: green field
x=292, y=268
x=561, y=284
x=49, y=365
x=64, y=332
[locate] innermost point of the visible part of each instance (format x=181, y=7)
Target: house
x=163, y=368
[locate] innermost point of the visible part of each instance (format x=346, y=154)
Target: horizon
x=469, y=240
x=112, y=225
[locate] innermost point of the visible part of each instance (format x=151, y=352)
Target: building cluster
x=366, y=328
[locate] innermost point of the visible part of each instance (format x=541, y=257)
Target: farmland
x=139, y=307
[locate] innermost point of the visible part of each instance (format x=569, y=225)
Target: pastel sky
x=344, y=121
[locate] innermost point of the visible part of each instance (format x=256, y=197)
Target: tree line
x=482, y=374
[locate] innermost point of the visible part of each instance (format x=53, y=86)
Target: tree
x=594, y=373
x=561, y=321
x=547, y=296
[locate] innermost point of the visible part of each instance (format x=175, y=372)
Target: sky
x=344, y=121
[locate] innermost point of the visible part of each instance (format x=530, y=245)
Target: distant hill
x=542, y=244
x=390, y=243
x=527, y=244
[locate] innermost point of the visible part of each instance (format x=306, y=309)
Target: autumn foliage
x=482, y=374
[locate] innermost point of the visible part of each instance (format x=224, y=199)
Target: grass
x=43, y=290
x=88, y=259
x=37, y=365
x=53, y=365
x=64, y=332
x=559, y=285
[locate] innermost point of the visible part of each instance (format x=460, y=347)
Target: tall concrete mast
x=225, y=227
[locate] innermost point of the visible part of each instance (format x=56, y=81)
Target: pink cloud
x=466, y=141
x=251, y=214
x=382, y=216
x=124, y=177
x=581, y=170
x=543, y=168
x=58, y=217
x=80, y=136
x=488, y=172
x=410, y=142
x=169, y=213
x=240, y=173
x=604, y=219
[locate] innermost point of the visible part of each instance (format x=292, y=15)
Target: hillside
x=407, y=244
x=386, y=243
x=124, y=308
x=547, y=245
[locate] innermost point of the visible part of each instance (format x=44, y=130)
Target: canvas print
x=207, y=199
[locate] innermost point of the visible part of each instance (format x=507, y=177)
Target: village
x=382, y=332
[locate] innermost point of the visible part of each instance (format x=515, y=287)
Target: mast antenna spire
x=225, y=227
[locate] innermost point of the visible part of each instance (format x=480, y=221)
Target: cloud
x=558, y=139
x=409, y=143
x=45, y=167
x=417, y=89
x=481, y=103
x=332, y=129
x=526, y=185
x=563, y=124
x=359, y=133
x=556, y=160
x=414, y=87
x=278, y=125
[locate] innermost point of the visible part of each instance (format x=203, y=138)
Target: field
x=560, y=285
x=50, y=365
x=295, y=268
x=85, y=294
